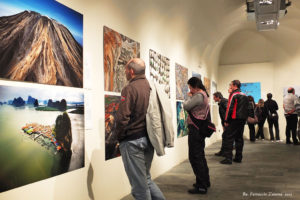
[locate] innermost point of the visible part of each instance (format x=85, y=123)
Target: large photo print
x=118, y=50
x=181, y=82
x=41, y=134
x=41, y=42
x=111, y=143
x=160, y=70
x=182, y=127
x=252, y=89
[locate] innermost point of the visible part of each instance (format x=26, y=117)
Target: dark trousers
x=273, y=122
x=197, y=157
x=222, y=145
x=234, y=133
x=252, y=132
x=291, y=125
x=260, y=132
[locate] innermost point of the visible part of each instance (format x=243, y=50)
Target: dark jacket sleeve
x=264, y=112
x=251, y=110
x=124, y=112
x=222, y=109
x=276, y=105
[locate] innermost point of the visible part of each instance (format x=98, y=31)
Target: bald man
x=291, y=116
x=135, y=147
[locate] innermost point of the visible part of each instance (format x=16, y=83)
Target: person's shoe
x=237, y=160
x=220, y=153
x=226, y=161
x=288, y=142
x=296, y=143
x=196, y=186
x=197, y=190
x=263, y=139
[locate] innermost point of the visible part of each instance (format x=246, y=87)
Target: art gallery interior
x=213, y=38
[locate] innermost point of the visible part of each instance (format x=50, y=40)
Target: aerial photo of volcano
x=41, y=42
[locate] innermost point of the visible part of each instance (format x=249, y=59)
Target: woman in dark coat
x=197, y=105
x=251, y=114
x=261, y=113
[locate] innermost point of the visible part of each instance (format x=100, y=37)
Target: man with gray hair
x=291, y=116
x=135, y=147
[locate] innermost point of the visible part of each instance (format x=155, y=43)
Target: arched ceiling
x=247, y=45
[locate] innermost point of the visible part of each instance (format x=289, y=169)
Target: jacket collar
x=222, y=99
x=237, y=90
x=234, y=91
x=137, y=78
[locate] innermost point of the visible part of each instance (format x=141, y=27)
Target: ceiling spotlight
x=266, y=13
x=269, y=22
x=265, y=2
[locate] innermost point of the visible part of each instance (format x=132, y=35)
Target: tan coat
x=159, y=119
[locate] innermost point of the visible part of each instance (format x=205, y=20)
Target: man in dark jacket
x=251, y=114
x=235, y=119
x=272, y=118
x=135, y=147
x=222, y=102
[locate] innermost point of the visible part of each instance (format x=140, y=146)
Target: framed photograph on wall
x=118, y=50
x=41, y=42
x=181, y=82
x=160, y=70
x=182, y=127
x=111, y=143
x=252, y=89
x=42, y=134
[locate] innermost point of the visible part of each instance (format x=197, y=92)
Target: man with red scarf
x=235, y=120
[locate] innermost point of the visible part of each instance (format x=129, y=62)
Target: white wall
x=247, y=73
x=156, y=26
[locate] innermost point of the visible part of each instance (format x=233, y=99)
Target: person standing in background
x=222, y=102
x=235, y=120
x=261, y=113
x=272, y=118
x=289, y=102
x=251, y=114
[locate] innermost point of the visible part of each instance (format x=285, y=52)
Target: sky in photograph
x=11, y=92
x=50, y=8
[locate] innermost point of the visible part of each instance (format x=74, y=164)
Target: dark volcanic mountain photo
x=37, y=48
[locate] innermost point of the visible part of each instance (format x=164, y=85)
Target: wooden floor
x=268, y=171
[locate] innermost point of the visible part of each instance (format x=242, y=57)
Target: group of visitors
x=262, y=111
x=137, y=142
x=267, y=111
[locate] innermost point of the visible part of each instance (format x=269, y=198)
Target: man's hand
x=189, y=94
x=291, y=112
x=226, y=124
